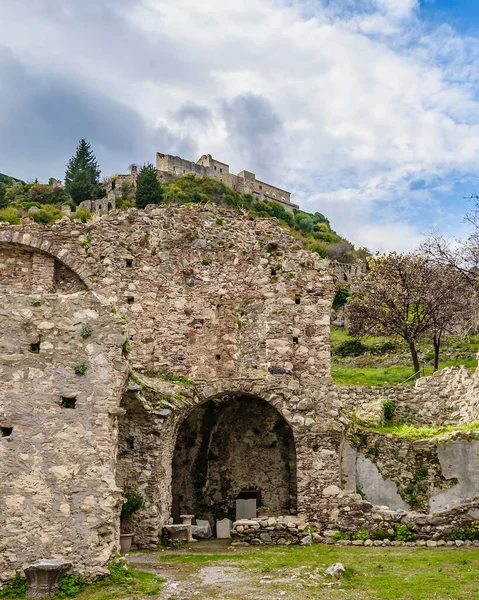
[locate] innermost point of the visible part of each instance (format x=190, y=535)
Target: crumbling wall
x=412, y=474
x=450, y=396
x=58, y=497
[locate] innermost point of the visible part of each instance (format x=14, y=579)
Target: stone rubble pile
x=282, y=531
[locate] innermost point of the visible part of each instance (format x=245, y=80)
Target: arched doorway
x=230, y=444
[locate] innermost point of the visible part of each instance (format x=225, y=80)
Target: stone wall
x=423, y=475
x=282, y=531
x=233, y=304
x=449, y=396
x=58, y=497
x=24, y=271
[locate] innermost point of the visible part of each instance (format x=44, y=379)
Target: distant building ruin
x=171, y=167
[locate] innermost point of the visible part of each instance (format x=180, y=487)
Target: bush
x=70, y=586
x=351, y=348
x=82, y=214
x=10, y=215
x=341, y=298
x=403, y=533
x=388, y=410
x=383, y=348
x=16, y=588
x=363, y=534
x=133, y=503
x=47, y=215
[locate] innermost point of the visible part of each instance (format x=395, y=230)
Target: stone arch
x=28, y=241
x=148, y=433
x=228, y=444
x=110, y=206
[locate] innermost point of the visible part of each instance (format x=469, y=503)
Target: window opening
x=6, y=431
x=68, y=402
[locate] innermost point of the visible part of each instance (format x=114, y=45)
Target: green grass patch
x=135, y=584
x=424, y=431
x=372, y=573
x=374, y=368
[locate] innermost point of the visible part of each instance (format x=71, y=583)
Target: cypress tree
x=148, y=187
x=82, y=175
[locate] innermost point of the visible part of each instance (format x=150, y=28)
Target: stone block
x=223, y=529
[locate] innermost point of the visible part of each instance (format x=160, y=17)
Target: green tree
x=148, y=187
x=82, y=175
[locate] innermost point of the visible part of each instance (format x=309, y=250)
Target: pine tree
x=82, y=175
x=148, y=187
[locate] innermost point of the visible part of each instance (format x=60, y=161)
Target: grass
x=138, y=585
x=372, y=573
x=395, y=368
x=423, y=432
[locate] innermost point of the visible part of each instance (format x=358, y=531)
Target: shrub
x=341, y=297
x=47, y=215
x=403, y=533
x=16, y=588
x=10, y=215
x=388, y=410
x=82, y=214
x=380, y=534
x=86, y=331
x=133, y=503
x=362, y=534
x=70, y=586
x=339, y=535
x=351, y=348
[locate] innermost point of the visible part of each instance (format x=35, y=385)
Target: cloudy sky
x=368, y=110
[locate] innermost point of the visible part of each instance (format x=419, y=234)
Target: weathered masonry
x=183, y=352
x=175, y=315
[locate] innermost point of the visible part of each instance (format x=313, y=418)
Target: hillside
x=314, y=230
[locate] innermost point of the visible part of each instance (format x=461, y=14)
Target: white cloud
x=364, y=98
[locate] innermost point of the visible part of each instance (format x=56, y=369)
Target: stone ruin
x=183, y=352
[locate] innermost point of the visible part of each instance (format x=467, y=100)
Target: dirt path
x=219, y=580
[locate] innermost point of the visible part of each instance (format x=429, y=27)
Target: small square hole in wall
x=35, y=348
x=273, y=272
x=218, y=357
x=295, y=340
x=130, y=299
x=129, y=263
x=297, y=300
x=6, y=431
x=68, y=402
x=130, y=443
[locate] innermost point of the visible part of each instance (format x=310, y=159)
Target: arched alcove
x=227, y=445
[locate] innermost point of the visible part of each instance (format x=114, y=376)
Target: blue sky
x=368, y=110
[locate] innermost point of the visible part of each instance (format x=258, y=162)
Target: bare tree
x=407, y=296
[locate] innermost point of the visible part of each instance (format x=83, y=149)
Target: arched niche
x=230, y=444
x=25, y=270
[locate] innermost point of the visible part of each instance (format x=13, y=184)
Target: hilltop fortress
x=171, y=167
